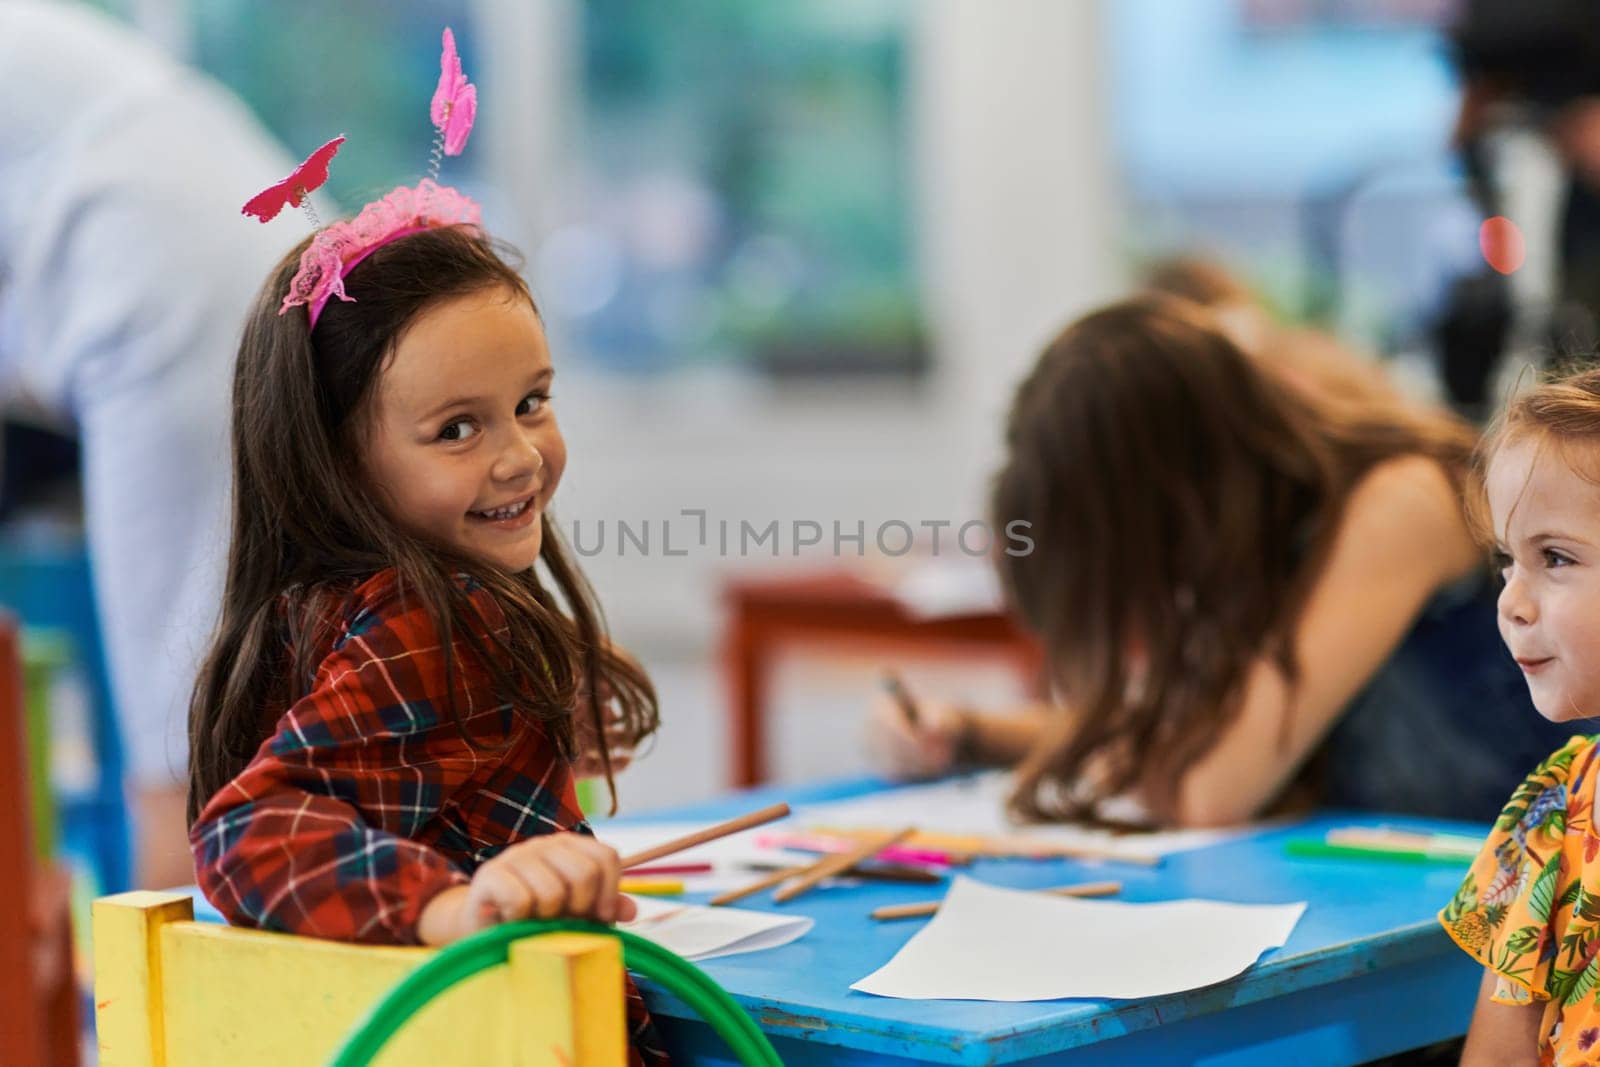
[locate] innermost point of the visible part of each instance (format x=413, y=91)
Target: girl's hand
x=554, y=876
x=926, y=750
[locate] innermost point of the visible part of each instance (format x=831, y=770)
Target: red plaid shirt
x=367, y=800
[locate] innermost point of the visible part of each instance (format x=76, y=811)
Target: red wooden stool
x=765, y=614
x=37, y=983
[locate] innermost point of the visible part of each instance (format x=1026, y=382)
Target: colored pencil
x=1384, y=838
x=673, y=868
x=776, y=877
x=651, y=887
x=897, y=690
x=711, y=833
x=915, y=911
x=832, y=865
x=961, y=848
x=834, y=841
x=867, y=872
x=1311, y=848
x=829, y=865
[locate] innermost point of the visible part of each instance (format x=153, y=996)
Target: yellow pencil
x=651, y=887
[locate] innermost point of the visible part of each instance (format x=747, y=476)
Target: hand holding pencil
x=911, y=737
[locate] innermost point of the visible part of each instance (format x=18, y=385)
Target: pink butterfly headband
x=336, y=249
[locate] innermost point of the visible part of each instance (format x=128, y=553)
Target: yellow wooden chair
x=172, y=992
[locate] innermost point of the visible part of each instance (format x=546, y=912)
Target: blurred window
x=1303, y=141
x=365, y=68
x=741, y=195
x=744, y=184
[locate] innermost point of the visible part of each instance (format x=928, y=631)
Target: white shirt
x=126, y=269
x=121, y=178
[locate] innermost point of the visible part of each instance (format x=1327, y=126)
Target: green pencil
x=1310, y=847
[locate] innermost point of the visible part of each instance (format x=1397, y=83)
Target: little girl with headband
x=385, y=728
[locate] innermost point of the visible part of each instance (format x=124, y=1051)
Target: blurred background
x=794, y=258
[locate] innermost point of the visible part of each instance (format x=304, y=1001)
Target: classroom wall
x=1017, y=215
x=1016, y=219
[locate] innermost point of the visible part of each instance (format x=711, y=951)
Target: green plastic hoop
x=491, y=947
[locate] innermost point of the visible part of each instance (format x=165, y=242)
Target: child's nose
x=1515, y=604
x=519, y=459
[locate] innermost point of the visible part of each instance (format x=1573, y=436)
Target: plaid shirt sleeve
x=313, y=836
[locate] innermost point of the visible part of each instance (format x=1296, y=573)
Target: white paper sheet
x=730, y=856
x=989, y=943
x=976, y=805
x=700, y=933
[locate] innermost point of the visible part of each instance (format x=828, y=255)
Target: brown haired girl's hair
x=1182, y=498
x=1563, y=410
x=307, y=526
x=1204, y=281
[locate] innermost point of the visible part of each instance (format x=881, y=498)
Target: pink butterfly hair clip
x=336, y=250
x=454, y=107
x=293, y=190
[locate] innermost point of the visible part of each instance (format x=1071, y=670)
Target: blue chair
x=45, y=582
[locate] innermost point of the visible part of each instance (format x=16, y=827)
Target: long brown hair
x=307, y=526
x=1182, y=497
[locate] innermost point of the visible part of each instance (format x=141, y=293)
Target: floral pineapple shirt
x=1529, y=909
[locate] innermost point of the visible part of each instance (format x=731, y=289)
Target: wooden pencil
x=928, y=907
x=897, y=691
x=780, y=875
x=962, y=847
x=1082, y=852
x=838, y=862
x=710, y=833
x=828, y=864
x=867, y=872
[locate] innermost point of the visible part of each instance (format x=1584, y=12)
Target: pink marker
x=671, y=868
x=827, y=845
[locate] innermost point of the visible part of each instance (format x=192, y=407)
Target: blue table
x=1367, y=972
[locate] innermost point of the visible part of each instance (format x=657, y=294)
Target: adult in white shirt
x=125, y=271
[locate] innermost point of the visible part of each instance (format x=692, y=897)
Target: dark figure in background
x=1535, y=64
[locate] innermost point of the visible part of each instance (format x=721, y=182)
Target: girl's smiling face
x=1547, y=530
x=461, y=440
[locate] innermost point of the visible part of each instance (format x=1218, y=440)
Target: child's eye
x=459, y=430
x=533, y=403
x=1500, y=559
x=1553, y=558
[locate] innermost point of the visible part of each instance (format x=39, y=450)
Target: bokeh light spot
x=1502, y=244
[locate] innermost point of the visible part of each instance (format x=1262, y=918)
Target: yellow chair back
x=172, y=992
